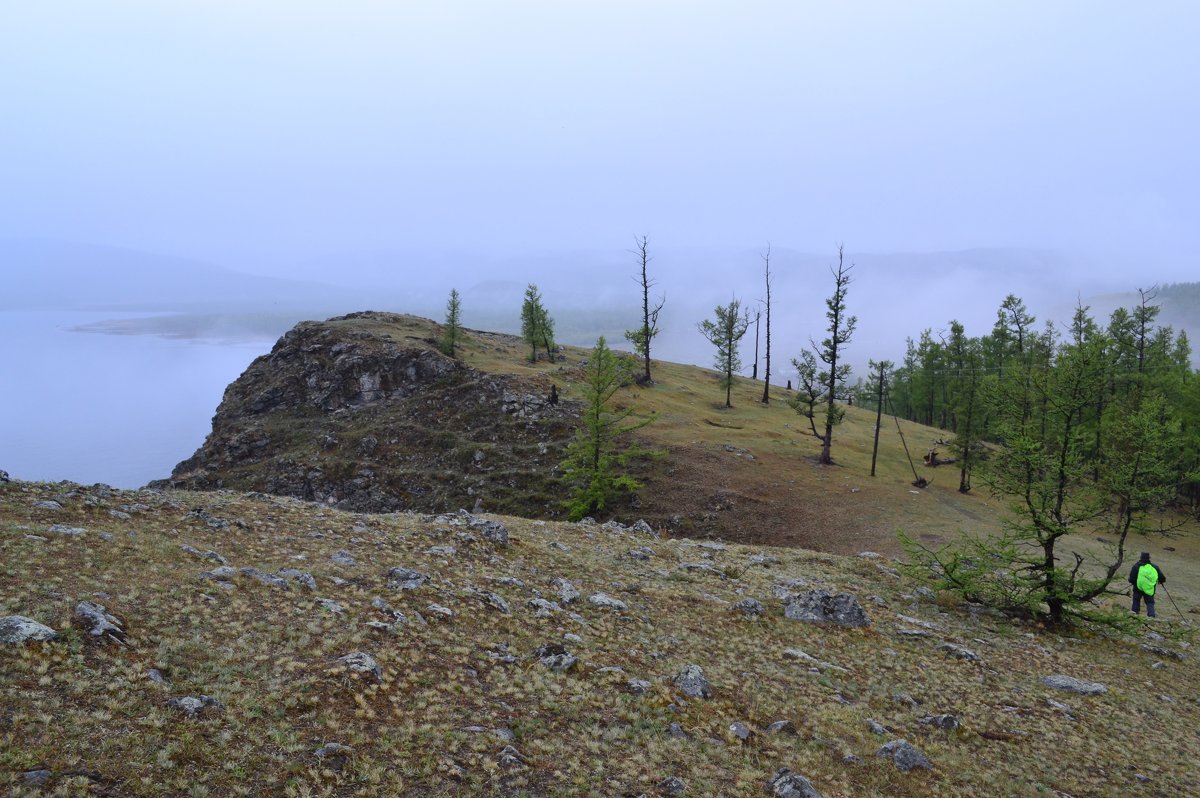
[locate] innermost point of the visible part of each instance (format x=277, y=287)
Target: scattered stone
x=944, y=722
x=571, y=637
x=212, y=521
x=487, y=597
x=511, y=758
x=749, y=607
x=642, y=528
x=303, y=577
x=567, y=592
x=507, y=581
x=500, y=654
x=438, y=609
x=606, y=601
x=155, y=675
x=959, y=652
x=672, y=785
x=925, y=593
x=329, y=605
x=904, y=756
x=740, y=730
x=1061, y=682
x=782, y=727
x=405, y=579
x=876, y=727
x=676, y=731
x=103, y=625
x=869, y=555
x=542, y=608
x=787, y=784
x=641, y=553
x=19, y=629
x=441, y=551
x=906, y=700
x=905, y=632
x=692, y=682
x=67, y=531
x=35, y=778
x=494, y=531
x=47, y=504
x=333, y=755
x=119, y=515
x=818, y=606
x=383, y=606
x=343, y=557
x=1162, y=652
x=224, y=572
x=195, y=705
x=360, y=662
x=555, y=657
x=272, y=580
x=637, y=686
x=765, y=560
x=918, y=622
x=804, y=656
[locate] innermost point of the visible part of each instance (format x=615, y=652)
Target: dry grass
x=89, y=713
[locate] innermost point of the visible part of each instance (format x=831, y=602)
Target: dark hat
x=1145, y=555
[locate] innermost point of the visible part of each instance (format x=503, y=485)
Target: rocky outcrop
x=363, y=412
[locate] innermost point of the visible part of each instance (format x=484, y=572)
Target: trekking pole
x=1173, y=604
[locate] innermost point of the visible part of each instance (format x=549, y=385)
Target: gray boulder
x=818, y=606
x=692, y=682
x=405, y=579
x=303, y=577
x=555, y=657
x=672, y=785
x=606, y=601
x=343, y=557
x=567, y=592
x=787, y=784
x=904, y=756
x=196, y=705
x=487, y=597
x=748, y=607
x=271, y=580
x=100, y=624
x=47, y=504
x=944, y=722
x=1069, y=683
x=959, y=652
x=19, y=629
x=361, y=662
x=62, y=530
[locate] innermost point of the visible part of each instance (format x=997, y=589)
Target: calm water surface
x=118, y=409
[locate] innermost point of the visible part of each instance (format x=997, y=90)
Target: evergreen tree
x=537, y=327
x=452, y=328
x=725, y=333
x=808, y=389
x=841, y=329
x=594, y=466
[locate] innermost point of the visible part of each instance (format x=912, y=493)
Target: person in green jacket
x=1145, y=578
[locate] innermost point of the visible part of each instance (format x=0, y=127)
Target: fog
x=244, y=165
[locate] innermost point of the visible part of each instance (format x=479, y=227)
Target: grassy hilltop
x=263, y=645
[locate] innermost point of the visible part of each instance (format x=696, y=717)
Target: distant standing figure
x=1145, y=577
x=553, y=394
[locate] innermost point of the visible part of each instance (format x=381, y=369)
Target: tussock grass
x=447, y=703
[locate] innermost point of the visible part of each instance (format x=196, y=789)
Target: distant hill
x=43, y=273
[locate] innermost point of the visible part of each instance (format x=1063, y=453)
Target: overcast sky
x=256, y=133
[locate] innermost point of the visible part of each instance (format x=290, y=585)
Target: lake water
x=118, y=409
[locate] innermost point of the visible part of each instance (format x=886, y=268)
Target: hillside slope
x=363, y=413
x=257, y=645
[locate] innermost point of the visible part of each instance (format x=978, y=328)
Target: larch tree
x=841, y=330
x=452, y=328
x=537, y=326
x=643, y=335
x=595, y=465
x=725, y=332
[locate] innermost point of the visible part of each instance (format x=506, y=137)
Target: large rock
x=19, y=629
x=692, y=682
x=99, y=623
x=787, y=784
x=1071, y=684
x=904, y=756
x=818, y=606
x=405, y=579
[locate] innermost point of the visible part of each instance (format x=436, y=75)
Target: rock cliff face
x=364, y=413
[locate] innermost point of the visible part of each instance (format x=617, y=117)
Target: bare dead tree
x=766, y=397
x=641, y=337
